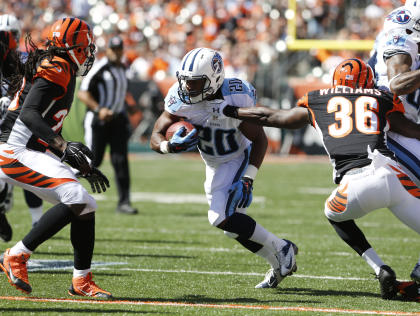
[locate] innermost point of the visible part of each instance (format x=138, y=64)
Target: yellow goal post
x=307, y=44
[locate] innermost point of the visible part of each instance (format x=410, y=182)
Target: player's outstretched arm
x=293, y=119
x=403, y=126
x=401, y=79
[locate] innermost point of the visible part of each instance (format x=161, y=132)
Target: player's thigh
x=405, y=203
x=358, y=195
x=407, y=150
x=44, y=175
x=218, y=183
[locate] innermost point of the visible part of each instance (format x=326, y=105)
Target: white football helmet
x=10, y=23
x=407, y=19
x=201, y=75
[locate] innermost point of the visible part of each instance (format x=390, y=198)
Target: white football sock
x=268, y=255
x=80, y=273
x=267, y=239
x=19, y=248
x=36, y=213
x=372, y=259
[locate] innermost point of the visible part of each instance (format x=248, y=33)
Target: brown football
x=176, y=126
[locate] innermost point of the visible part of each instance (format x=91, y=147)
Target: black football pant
x=115, y=133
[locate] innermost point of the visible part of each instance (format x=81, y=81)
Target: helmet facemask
x=193, y=89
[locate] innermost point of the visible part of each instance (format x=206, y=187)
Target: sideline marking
x=221, y=306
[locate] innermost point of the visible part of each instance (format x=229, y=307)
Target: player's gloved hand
x=97, y=180
x=4, y=104
x=76, y=155
x=180, y=143
x=242, y=190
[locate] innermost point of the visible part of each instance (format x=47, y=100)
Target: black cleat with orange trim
x=409, y=290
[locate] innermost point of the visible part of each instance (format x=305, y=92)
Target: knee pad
x=91, y=205
x=215, y=218
x=77, y=194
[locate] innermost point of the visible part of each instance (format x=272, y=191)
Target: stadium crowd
x=251, y=35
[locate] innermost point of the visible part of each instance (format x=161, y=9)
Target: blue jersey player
x=232, y=151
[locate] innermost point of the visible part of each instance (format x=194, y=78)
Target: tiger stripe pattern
x=19, y=172
x=338, y=203
x=406, y=182
x=353, y=73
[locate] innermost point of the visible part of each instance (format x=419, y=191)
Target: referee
x=103, y=91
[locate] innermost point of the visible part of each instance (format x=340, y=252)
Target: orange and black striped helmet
x=353, y=73
x=76, y=36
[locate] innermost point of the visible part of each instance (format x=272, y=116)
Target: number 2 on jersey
x=365, y=119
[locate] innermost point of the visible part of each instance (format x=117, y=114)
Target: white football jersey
x=391, y=43
x=220, y=138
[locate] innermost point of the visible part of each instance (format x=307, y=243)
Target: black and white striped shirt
x=108, y=85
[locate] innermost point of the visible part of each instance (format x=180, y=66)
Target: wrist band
x=164, y=147
x=251, y=172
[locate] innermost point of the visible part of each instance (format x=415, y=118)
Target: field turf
x=168, y=260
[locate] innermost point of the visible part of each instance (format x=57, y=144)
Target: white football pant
x=219, y=180
x=44, y=175
x=407, y=151
x=381, y=184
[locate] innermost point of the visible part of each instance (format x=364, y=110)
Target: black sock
x=82, y=235
x=352, y=235
x=48, y=225
x=240, y=224
x=249, y=244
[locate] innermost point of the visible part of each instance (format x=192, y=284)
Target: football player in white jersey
x=397, y=69
x=232, y=151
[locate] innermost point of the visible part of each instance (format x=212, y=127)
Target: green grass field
x=169, y=261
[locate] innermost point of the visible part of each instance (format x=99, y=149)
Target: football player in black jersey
x=43, y=96
x=352, y=119
x=7, y=48
x=9, y=37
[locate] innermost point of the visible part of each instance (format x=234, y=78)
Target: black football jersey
x=36, y=114
x=349, y=121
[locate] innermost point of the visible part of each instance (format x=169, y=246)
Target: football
x=176, y=126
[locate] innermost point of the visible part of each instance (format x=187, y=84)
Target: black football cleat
x=409, y=290
x=387, y=282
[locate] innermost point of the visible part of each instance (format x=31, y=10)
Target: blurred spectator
x=251, y=34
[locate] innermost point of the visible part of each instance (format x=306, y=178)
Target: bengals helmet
x=353, y=73
x=75, y=36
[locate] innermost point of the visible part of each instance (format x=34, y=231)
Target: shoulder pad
x=172, y=101
x=57, y=71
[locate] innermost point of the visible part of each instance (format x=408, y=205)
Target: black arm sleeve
x=40, y=96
